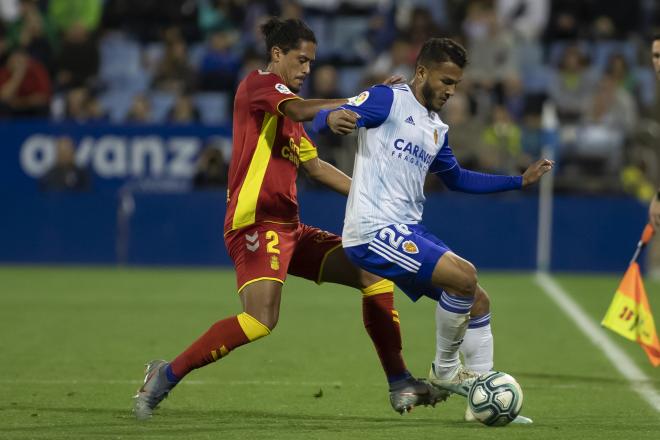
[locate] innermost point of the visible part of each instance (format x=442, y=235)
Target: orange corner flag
x=630, y=314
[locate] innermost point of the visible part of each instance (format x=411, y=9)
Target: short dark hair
x=441, y=50
x=286, y=34
x=655, y=37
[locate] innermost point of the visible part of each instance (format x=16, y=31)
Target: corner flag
x=629, y=313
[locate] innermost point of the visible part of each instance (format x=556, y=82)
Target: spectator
x=571, y=85
x=608, y=120
x=219, y=66
x=491, y=47
x=140, y=111
x=183, y=111
x=65, y=175
x=465, y=135
x=173, y=72
x=32, y=32
x=611, y=106
x=81, y=106
x=25, y=87
x=502, y=144
x=511, y=94
x=395, y=61
x=565, y=20
x=219, y=14
x=78, y=59
x=211, y=170
x=527, y=18
x=65, y=13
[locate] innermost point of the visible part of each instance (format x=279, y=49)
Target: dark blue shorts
x=404, y=254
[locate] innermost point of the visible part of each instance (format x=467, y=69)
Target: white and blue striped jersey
x=399, y=140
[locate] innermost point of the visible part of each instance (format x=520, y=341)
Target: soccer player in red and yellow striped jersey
x=264, y=236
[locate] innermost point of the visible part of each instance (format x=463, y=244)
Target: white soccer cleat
x=459, y=382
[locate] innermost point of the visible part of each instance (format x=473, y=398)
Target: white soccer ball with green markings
x=495, y=398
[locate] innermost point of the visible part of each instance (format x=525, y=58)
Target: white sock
x=452, y=316
x=477, y=346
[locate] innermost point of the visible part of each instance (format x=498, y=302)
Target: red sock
x=217, y=342
x=382, y=323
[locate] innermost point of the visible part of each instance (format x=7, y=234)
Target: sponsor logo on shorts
x=274, y=262
x=283, y=89
x=359, y=99
x=409, y=247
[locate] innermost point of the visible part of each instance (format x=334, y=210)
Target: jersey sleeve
x=456, y=178
x=445, y=160
x=267, y=92
x=307, y=148
x=372, y=105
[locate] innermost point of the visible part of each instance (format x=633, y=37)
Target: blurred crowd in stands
x=179, y=61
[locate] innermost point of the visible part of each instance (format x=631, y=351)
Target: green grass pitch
x=73, y=343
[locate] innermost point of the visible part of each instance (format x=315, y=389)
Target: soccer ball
x=495, y=398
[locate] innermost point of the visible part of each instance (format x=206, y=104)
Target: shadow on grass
x=103, y=421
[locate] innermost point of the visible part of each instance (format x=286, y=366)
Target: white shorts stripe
x=394, y=251
x=390, y=259
x=393, y=254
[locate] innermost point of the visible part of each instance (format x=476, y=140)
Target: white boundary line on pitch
x=639, y=382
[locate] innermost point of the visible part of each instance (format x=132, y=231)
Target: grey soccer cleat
x=459, y=383
x=156, y=387
x=409, y=393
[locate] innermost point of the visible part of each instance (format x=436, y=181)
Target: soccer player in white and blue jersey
x=401, y=138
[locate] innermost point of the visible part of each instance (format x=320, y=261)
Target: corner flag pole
x=550, y=124
x=647, y=234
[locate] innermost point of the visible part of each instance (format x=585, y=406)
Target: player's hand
x=654, y=213
x=394, y=79
x=342, y=121
x=536, y=170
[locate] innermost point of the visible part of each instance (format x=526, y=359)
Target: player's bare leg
x=458, y=279
x=381, y=321
x=261, y=305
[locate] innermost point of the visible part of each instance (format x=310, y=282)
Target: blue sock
x=399, y=377
x=170, y=374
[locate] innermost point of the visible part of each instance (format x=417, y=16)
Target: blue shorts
x=404, y=254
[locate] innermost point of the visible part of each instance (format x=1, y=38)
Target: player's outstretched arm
x=328, y=175
x=536, y=171
x=301, y=110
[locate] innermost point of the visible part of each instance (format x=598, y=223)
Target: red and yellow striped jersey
x=267, y=149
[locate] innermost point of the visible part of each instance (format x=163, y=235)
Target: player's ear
x=421, y=72
x=275, y=54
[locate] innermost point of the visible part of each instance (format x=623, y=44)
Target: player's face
x=295, y=65
x=655, y=53
x=438, y=83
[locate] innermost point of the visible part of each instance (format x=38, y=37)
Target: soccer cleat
x=156, y=387
x=522, y=420
x=411, y=392
x=519, y=420
x=459, y=383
